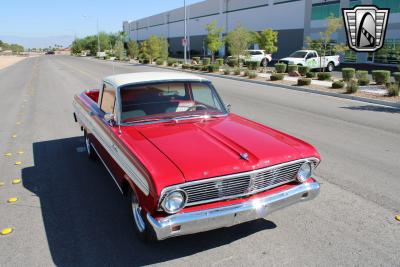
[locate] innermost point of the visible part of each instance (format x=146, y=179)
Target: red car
x=185, y=162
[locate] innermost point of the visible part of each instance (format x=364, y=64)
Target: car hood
x=291, y=59
x=207, y=148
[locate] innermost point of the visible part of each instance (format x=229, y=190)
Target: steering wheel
x=198, y=107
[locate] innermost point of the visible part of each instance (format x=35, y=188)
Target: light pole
x=185, y=38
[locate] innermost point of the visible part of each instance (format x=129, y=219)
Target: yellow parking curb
x=1, y=184
x=8, y=154
x=14, y=136
x=18, y=162
x=6, y=231
x=12, y=200
x=20, y=152
x=398, y=217
x=18, y=123
x=16, y=181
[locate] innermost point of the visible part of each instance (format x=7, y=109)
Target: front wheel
x=141, y=226
x=331, y=67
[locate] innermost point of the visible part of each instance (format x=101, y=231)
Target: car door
x=312, y=60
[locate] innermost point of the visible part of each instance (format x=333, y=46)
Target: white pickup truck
x=310, y=58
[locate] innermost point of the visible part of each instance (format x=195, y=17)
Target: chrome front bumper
x=205, y=220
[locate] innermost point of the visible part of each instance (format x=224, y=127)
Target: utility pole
x=185, y=38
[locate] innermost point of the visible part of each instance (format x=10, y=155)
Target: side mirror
x=110, y=118
x=228, y=107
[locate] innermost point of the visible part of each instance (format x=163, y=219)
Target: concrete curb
x=290, y=87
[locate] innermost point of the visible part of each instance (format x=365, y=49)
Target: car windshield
x=254, y=53
x=169, y=100
x=299, y=54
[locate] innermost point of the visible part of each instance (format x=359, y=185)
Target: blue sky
x=43, y=18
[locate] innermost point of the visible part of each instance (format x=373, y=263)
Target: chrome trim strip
x=205, y=220
x=114, y=151
x=249, y=173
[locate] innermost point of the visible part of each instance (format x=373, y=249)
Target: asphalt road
x=70, y=213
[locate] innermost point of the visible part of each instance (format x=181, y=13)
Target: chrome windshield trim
x=166, y=190
x=145, y=122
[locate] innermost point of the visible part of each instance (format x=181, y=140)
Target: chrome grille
x=241, y=184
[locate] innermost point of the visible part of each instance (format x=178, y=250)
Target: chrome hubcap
x=137, y=215
x=87, y=145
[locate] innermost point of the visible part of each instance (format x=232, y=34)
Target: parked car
x=255, y=55
x=186, y=163
x=311, y=59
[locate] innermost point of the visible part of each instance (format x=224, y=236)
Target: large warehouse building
x=293, y=19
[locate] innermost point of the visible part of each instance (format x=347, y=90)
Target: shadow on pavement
x=87, y=220
x=374, y=108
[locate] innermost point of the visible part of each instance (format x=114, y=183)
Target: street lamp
x=98, y=35
x=185, y=38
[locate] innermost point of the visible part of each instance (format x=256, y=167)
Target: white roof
x=144, y=77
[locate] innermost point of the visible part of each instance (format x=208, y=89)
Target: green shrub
x=171, y=62
x=311, y=74
x=396, y=76
x=280, y=67
x=337, y=84
x=252, y=65
x=381, y=76
x=232, y=62
x=204, y=67
x=197, y=59
x=348, y=74
x=393, y=89
x=352, y=86
x=220, y=61
x=186, y=66
x=213, y=68
x=227, y=71
x=324, y=76
x=237, y=71
x=197, y=67
x=145, y=61
x=246, y=72
x=292, y=68
x=361, y=74
x=363, y=81
x=160, y=61
x=303, y=70
x=206, y=61
x=252, y=74
x=304, y=81
x=277, y=76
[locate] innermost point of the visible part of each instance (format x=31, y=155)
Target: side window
x=108, y=99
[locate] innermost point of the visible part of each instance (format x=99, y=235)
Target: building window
x=324, y=10
x=394, y=5
x=388, y=54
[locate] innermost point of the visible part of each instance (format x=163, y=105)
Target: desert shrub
x=352, y=86
x=171, y=62
x=206, y=61
x=246, y=72
x=393, y=89
x=204, y=67
x=323, y=76
x=252, y=65
x=220, y=61
x=280, y=67
x=311, y=74
x=304, y=81
x=145, y=61
x=213, y=68
x=303, y=70
x=277, y=76
x=381, y=76
x=337, y=84
x=252, y=74
x=348, y=74
x=396, y=76
x=363, y=81
x=160, y=61
x=197, y=67
x=197, y=59
x=227, y=71
x=292, y=68
x=186, y=66
x=361, y=74
x=232, y=62
x=237, y=71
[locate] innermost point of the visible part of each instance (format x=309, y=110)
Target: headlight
x=304, y=172
x=174, y=201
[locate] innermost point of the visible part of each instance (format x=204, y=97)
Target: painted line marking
x=16, y=181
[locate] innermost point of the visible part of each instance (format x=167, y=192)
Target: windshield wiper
x=204, y=116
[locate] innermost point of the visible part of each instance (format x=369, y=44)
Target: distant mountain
x=38, y=42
